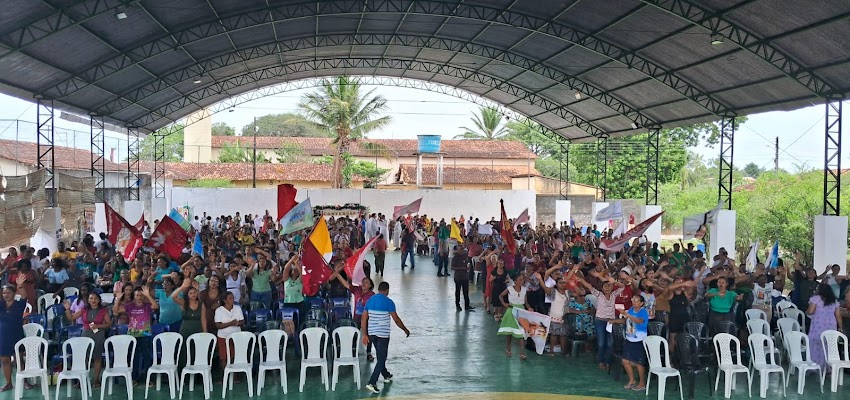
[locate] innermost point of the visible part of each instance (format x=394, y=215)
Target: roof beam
x=239, y=83
x=718, y=25
x=422, y=42
x=312, y=9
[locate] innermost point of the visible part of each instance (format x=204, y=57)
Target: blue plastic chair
x=38, y=319
x=156, y=329
x=315, y=303
x=258, y=319
x=339, y=313
x=335, y=302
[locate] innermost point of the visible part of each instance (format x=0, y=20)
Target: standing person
x=605, y=306
x=634, y=356
x=229, y=320
x=825, y=315
x=720, y=301
x=460, y=266
x=408, y=244
x=11, y=330
x=375, y=328
x=211, y=299
x=514, y=297
x=380, y=249
x=95, y=321
x=361, y=294
x=139, y=313
x=397, y=228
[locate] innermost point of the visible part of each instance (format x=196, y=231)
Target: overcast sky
x=416, y=112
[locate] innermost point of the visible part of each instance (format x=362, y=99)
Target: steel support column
x=652, y=140
x=832, y=159
x=133, y=180
x=158, y=166
x=98, y=161
x=602, y=168
x=44, y=146
x=727, y=147
x=564, y=169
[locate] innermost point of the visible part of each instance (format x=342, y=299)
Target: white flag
x=621, y=229
x=613, y=211
x=694, y=226
x=752, y=258
x=485, y=229
x=523, y=218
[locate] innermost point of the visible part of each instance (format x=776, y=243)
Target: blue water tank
x=429, y=143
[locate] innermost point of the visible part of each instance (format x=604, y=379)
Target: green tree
x=752, y=170
x=488, y=126
x=352, y=167
x=236, y=153
x=286, y=125
x=291, y=153
x=340, y=107
x=210, y=183
x=173, y=144
x=222, y=129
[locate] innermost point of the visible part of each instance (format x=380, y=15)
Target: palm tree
x=488, y=126
x=340, y=108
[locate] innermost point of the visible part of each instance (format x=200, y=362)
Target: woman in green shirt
x=293, y=289
x=262, y=275
x=720, y=302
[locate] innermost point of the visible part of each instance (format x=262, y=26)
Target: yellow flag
x=455, y=232
x=321, y=240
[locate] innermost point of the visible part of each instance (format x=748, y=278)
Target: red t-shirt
x=380, y=246
x=625, y=297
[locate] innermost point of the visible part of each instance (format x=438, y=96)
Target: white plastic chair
x=33, y=329
x=35, y=354
x=755, y=313
x=346, y=342
x=837, y=356
x=763, y=327
x=797, y=315
x=761, y=346
x=658, y=353
x=314, y=346
x=272, y=357
x=71, y=291
x=799, y=360
x=729, y=368
x=788, y=325
x=199, y=345
x=241, y=345
x=45, y=301
x=75, y=364
x=165, y=361
x=107, y=298
x=784, y=305
x=119, y=362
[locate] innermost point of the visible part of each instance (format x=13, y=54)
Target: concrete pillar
x=722, y=233
x=594, y=209
x=100, y=224
x=563, y=211
x=830, y=242
x=49, y=231
x=159, y=208
x=419, y=170
x=654, y=231
x=133, y=211
x=197, y=140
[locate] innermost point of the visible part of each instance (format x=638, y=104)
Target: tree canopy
x=222, y=129
x=286, y=124
x=488, y=125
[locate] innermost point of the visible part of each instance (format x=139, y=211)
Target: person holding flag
x=362, y=293
x=375, y=328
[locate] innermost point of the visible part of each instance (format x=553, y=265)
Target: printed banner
x=535, y=326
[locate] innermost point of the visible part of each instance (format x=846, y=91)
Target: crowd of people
x=560, y=271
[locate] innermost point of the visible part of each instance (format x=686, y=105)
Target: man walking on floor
x=376, y=329
x=460, y=267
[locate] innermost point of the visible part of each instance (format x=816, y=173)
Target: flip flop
x=629, y=386
x=523, y=357
x=639, y=389
x=508, y=353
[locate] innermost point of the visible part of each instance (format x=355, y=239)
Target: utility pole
x=776, y=156
x=256, y=128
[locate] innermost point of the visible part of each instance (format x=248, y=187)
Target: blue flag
x=178, y=218
x=773, y=257
x=299, y=217
x=198, y=247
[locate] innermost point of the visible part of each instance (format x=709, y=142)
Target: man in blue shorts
x=376, y=329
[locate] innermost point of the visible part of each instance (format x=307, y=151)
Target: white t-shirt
x=761, y=295
x=550, y=283
x=234, y=286
x=196, y=225
x=222, y=315
x=559, y=305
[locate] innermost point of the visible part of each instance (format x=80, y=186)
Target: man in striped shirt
x=376, y=329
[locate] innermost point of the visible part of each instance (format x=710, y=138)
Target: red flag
x=507, y=230
x=169, y=237
x=285, y=199
x=124, y=236
x=408, y=209
x=354, y=264
x=140, y=226
x=523, y=218
x=315, y=254
x=637, y=231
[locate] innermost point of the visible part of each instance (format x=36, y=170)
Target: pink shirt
x=605, y=305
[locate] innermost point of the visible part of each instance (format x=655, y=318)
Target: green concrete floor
x=458, y=356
